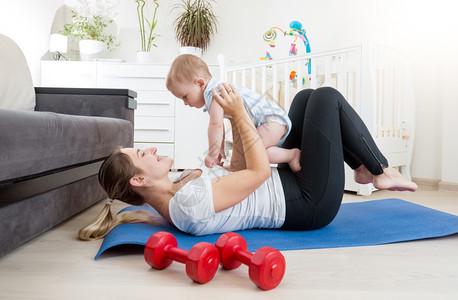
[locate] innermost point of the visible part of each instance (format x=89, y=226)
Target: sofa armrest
x=113, y=103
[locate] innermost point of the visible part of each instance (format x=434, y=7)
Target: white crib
x=375, y=79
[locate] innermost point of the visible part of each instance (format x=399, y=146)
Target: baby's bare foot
x=392, y=180
x=295, y=162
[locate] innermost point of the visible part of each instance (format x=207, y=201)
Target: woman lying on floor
x=249, y=193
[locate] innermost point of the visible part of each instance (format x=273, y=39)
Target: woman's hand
x=229, y=99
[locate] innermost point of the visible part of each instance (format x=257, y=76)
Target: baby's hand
x=209, y=161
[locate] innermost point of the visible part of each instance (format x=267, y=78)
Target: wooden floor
x=58, y=266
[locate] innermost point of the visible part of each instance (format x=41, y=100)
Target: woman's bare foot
x=392, y=180
x=362, y=175
x=295, y=162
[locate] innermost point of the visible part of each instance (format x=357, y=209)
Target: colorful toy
x=293, y=50
x=293, y=76
x=267, y=57
x=272, y=43
x=202, y=261
x=266, y=266
x=295, y=30
x=269, y=36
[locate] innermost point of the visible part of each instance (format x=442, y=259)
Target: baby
x=189, y=79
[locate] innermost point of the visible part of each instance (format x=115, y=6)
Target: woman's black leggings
x=328, y=131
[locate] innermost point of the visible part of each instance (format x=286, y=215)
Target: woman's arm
x=231, y=189
x=238, y=157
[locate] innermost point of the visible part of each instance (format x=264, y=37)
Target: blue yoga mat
x=357, y=224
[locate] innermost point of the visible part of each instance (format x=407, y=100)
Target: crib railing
x=281, y=79
x=373, y=82
x=390, y=88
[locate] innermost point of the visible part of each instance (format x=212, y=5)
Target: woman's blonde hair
x=114, y=176
x=187, y=68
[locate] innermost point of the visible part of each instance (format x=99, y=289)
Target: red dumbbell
x=201, y=261
x=266, y=266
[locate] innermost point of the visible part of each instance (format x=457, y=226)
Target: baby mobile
x=296, y=31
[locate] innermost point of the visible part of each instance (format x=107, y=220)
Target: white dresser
x=161, y=120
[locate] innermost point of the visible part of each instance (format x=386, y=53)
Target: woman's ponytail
x=105, y=222
x=98, y=228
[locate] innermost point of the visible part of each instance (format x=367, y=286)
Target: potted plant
x=90, y=24
x=195, y=25
x=147, y=34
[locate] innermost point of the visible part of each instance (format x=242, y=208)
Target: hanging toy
x=293, y=76
x=269, y=36
x=292, y=50
x=295, y=30
x=267, y=57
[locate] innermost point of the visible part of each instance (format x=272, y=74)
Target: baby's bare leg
x=271, y=133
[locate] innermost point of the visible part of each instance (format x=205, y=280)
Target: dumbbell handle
x=177, y=254
x=242, y=255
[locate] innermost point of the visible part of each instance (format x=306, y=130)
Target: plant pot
x=91, y=49
x=144, y=57
x=191, y=50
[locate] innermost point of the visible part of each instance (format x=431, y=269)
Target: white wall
x=450, y=121
x=28, y=23
x=425, y=29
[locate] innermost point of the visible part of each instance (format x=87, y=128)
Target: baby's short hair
x=187, y=68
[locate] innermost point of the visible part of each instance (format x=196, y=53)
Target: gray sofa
x=50, y=156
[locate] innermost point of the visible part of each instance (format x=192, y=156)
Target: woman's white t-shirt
x=191, y=208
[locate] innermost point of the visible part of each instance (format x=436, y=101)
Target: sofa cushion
x=16, y=85
x=37, y=142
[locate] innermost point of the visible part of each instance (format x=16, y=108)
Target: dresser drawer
x=136, y=84
x=136, y=77
x=129, y=70
x=154, y=129
x=155, y=103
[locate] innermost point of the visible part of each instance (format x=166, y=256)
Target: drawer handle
x=156, y=103
x=133, y=76
x=152, y=129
